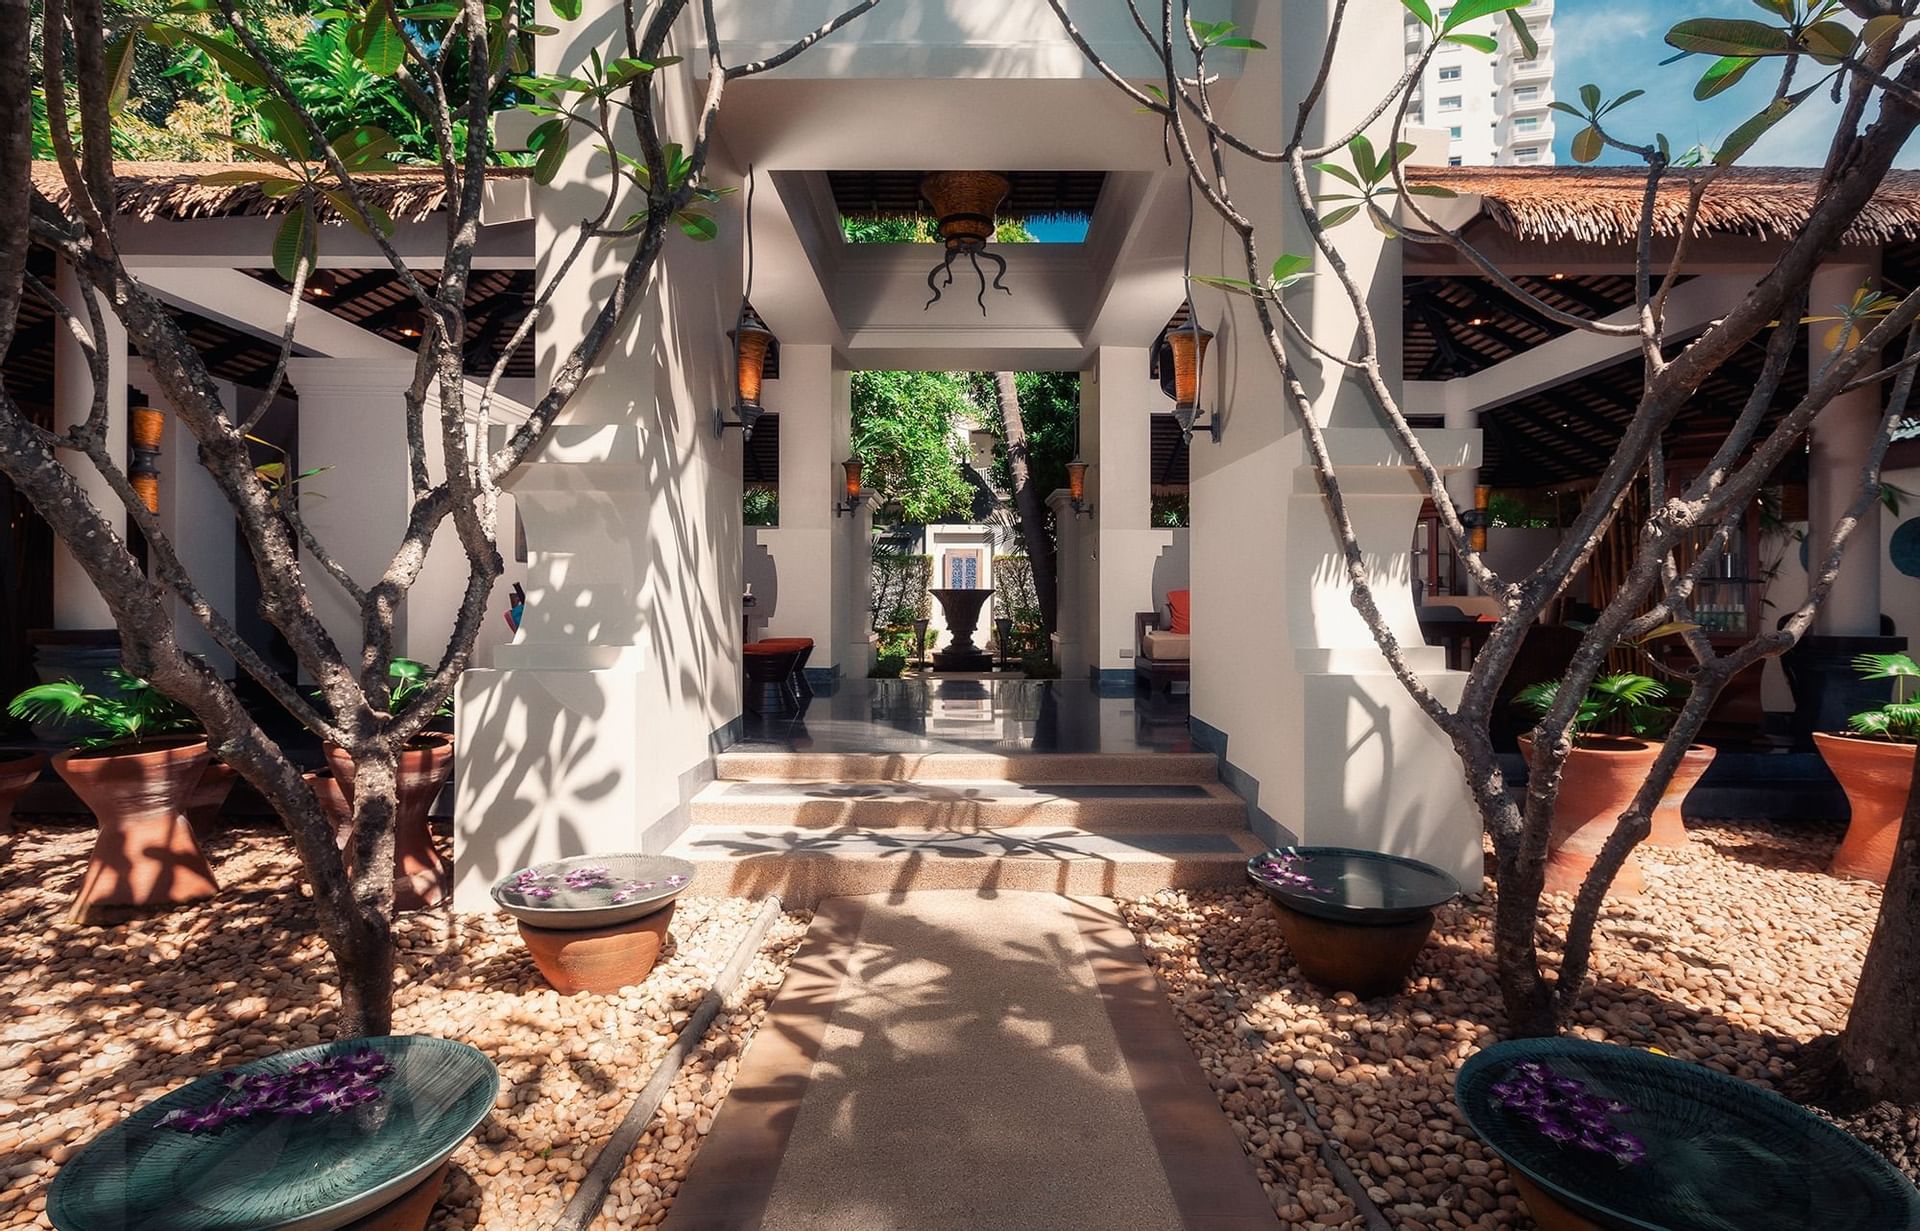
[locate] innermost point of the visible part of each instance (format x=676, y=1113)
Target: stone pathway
x=958, y=1060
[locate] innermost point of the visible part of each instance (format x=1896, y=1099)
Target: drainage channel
x=592, y=1193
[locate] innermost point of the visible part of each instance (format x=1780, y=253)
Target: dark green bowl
x=280, y=1173
x=1722, y=1154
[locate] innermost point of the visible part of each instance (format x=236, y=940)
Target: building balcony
x=1512, y=136
x=1540, y=69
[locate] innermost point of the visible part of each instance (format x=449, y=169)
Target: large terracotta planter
x=422, y=876
x=1669, y=825
x=1876, y=775
x=1597, y=783
x=18, y=771
x=599, y=960
x=145, y=854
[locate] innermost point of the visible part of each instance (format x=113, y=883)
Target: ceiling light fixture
x=965, y=206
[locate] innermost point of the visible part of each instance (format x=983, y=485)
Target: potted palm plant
x=422, y=876
x=135, y=769
x=1874, y=764
x=1613, y=752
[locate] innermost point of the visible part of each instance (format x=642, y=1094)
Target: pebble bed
x=95, y=1021
x=1740, y=953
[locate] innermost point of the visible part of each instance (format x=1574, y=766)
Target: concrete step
x=970, y=806
x=805, y=866
x=1032, y=768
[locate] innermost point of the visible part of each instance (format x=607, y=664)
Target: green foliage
x=1171, y=511
x=1622, y=704
x=134, y=711
x=1899, y=719
x=1372, y=179
x=1050, y=411
x=406, y=680
x=921, y=230
x=906, y=428
x=1015, y=598
x=887, y=667
x=1512, y=509
x=760, y=506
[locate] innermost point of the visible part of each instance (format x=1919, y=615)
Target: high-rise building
x=1493, y=106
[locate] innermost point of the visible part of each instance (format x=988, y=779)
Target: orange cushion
x=1180, y=608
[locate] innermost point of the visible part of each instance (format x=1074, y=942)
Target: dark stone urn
x=962, y=608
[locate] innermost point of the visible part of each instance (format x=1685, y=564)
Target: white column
x=197, y=520
x=1126, y=544
x=76, y=604
x=812, y=549
x=1841, y=439
x=353, y=421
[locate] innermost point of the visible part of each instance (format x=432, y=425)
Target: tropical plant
x=313, y=126
x=906, y=430
x=887, y=667
x=133, y=712
x=760, y=506
x=1622, y=704
x=1899, y=719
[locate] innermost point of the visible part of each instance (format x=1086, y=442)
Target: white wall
x=597, y=722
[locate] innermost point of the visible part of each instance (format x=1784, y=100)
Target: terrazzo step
x=1032, y=768
x=970, y=806
x=805, y=866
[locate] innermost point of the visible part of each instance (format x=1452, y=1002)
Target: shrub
x=888, y=667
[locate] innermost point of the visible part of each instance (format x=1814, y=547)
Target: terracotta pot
x=203, y=808
x=1548, y=1214
x=422, y=876
x=1596, y=785
x=145, y=854
x=1366, y=960
x=18, y=771
x=1876, y=775
x=1669, y=826
x=333, y=802
x=598, y=959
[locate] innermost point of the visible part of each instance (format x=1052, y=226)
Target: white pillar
x=1841, y=440
x=1287, y=680
x=353, y=421
x=76, y=604
x=813, y=550
x=197, y=520
x=1118, y=438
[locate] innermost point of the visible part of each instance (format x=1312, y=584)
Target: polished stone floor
x=973, y=715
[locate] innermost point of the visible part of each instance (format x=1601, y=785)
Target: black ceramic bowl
x=1367, y=888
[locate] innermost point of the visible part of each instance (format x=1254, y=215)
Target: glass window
x=1450, y=102
x=1451, y=73
x=1454, y=161
x=1526, y=123
x=1454, y=132
x=1526, y=93
x=1528, y=153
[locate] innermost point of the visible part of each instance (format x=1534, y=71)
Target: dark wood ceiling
x=497, y=301
x=1036, y=194
x=1456, y=326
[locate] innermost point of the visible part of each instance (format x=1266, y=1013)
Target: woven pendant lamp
x=966, y=207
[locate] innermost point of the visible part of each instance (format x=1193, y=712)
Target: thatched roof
x=150, y=191
x=1602, y=204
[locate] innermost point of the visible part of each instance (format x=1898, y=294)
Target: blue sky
x=1617, y=45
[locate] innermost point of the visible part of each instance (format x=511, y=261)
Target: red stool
x=770, y=673
x=803, y=646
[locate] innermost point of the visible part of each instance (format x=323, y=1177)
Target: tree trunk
x=1029, y=504
x=1879, y=1052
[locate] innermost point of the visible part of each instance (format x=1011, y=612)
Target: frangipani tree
x=1860, y=53
x=455, y=60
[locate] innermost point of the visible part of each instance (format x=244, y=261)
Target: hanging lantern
x=143, y=470
x=965, y=206
x=1183, y=360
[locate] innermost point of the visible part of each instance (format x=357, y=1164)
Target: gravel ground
x=98, y=1020
x=1740, y=953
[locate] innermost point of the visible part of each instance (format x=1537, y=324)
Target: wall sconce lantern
x=965, y=207
x=143, y=471
x=752, y=340
x=1077, y=488
x=1183, y=367
x=855, y=496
